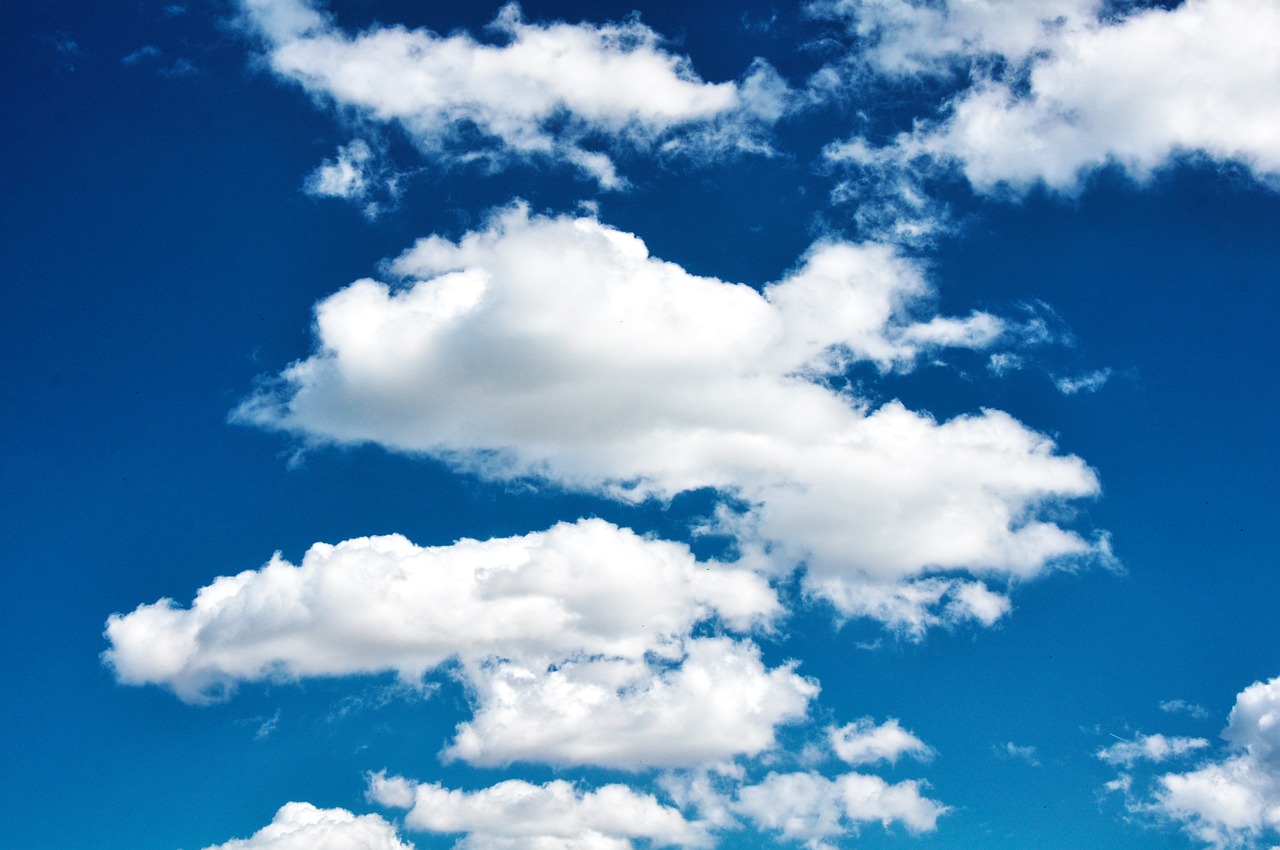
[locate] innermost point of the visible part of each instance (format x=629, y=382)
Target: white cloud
x=514, y=815
x=1233, y=799
x=1173, y=706
x=1020, y=752
x=812, y=808
x=302, y=826
x=1074, y=92
x=355, y=175
x=376, y=604
x=558, y=349
x=916, y=37
x=719, y=702
x=1088, y=382
x=538, y=95
x=1154, y=748
x=574, y=644
x=863, y=742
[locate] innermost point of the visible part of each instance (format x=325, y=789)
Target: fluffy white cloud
x=719, y=702
x=515, y=815
x=541, y=94
x=557, y=348
x=1232, y=800
x=302, y=826
x=575, y=643
x=863, y=742
x=1154, y=748
x=812, y=808
x=375, y=604
x=356, y=175
x=1075, y=92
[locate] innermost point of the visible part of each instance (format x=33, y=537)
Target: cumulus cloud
x=863, y=742
x=514, y=815
x=1087, y=383
x=547, y=92
x=1060, y=88
x=812, y=808
x=575, y=643
x=1232, y=799
x=302, y=826
x=720, y=701
x=559, y=349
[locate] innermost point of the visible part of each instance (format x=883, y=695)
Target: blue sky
x=857, y=418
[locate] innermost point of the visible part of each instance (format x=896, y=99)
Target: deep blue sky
x=158, y=255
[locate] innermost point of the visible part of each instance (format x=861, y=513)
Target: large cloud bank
x=1060, y=88
x=1231, y=798
x=546, y=92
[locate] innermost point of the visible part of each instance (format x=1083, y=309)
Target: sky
x=590, y=426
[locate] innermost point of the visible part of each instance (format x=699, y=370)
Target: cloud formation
x=575, y=643
x=514, y=815
x=302, y=826
x=1061, y=88
x=569, y=93
x=558, y=349
x=863, y=742
x=812, y=808
x=1153, y=748
x=1230, y=800
x=719, y=702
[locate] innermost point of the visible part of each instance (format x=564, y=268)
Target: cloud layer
x=558, y=349
x=560, y=92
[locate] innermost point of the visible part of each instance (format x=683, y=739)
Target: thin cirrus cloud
x=539, y=96
x=575, y=644
x=1061, y=89
x=1230, y=799
x=558, y=349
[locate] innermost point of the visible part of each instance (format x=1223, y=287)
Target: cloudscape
x=608, y=427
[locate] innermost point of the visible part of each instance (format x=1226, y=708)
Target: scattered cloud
x=1088, y=383
x=1231, y=799
x=147, y=51
x=356, y=174
x=568, y=93
x=302, y=826
x=1018, y=752
x=1177, y=706
x=558, y=349
x=1153, y=748
x=863, y=742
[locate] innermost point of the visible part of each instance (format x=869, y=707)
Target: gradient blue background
x=157, y=254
